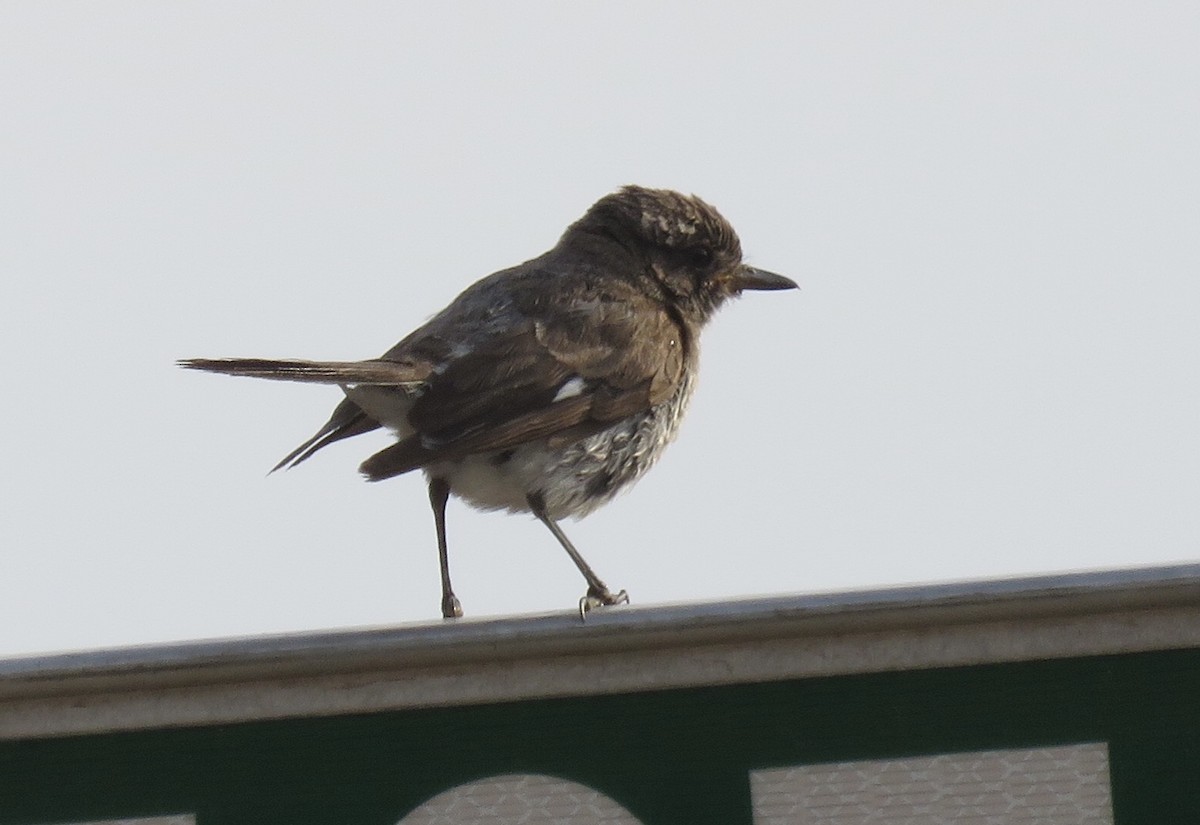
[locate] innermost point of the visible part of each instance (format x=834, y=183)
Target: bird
x=548, y=387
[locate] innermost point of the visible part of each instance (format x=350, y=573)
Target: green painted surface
x=671, y=757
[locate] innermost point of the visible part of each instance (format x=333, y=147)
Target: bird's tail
x=374, y=373
x=348, y=419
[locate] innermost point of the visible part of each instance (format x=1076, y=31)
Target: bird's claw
x=600, y=598
x=451, y=608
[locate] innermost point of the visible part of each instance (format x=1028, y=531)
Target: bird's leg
x=439, y=494
x=598, y=594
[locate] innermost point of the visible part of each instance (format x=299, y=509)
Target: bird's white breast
x=573, y=480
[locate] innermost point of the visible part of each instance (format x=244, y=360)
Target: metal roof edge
x=214, y=661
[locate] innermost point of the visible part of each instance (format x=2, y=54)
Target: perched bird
x=547, y=387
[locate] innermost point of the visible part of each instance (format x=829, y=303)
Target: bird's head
x=686, y=251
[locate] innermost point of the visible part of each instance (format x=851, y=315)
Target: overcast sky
x=992, y=368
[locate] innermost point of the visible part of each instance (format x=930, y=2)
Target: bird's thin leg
x=598, y=594
x=439, y=494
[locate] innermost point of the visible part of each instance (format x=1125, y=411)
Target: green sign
x=1055, y=739
x=1126, y=724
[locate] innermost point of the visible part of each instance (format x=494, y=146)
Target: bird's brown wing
x=624, y=354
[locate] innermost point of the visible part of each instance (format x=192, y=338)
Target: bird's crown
x=663, y=218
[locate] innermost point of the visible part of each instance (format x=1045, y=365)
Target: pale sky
x=992, y=368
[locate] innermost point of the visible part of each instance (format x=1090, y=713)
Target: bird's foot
x=600, y=598
x=451, y=608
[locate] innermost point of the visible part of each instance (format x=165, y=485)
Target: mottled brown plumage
x=549, y=386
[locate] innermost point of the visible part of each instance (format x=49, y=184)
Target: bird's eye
x=699, y=256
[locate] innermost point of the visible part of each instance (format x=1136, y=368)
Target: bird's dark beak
x=747, y=277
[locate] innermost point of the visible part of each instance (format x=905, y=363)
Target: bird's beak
x=747, y=277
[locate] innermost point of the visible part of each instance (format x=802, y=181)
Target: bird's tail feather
x=347, y=420
x=375, y=372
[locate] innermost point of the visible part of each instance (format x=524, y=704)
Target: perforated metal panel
x=1029, y=786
